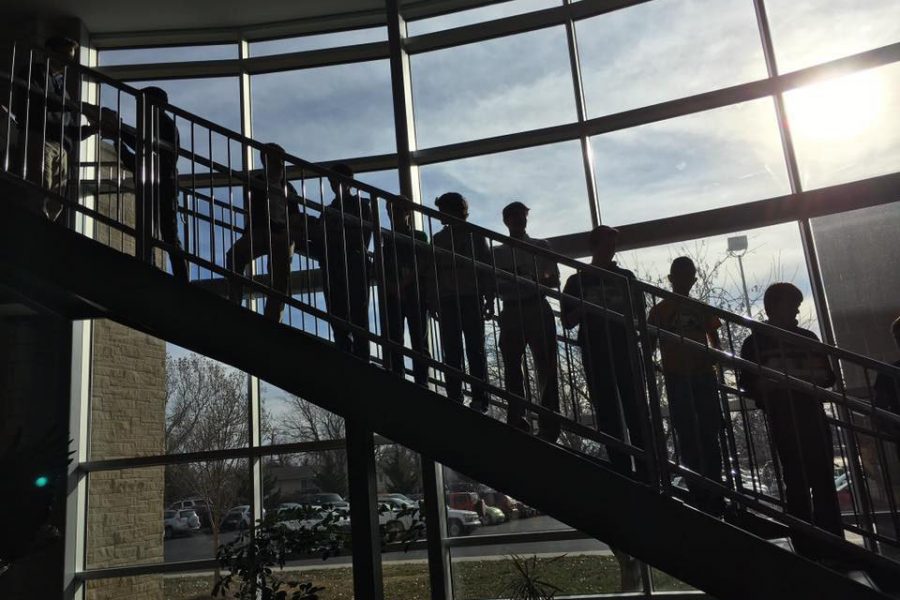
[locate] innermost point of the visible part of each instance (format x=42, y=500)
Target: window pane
x=126, y=523
x=706, y=160
x=500, y=513
x=847, y=128
x=667, y=49
x=139, y=56
x=773, y=254
x=288, y=419
x=493, y=88
x=577, y=567
x=549, y=179
x=216, y=99
x=326, y=113
x=319, y=41
x=496, y=10
x=859, y=267
x=173, y=401
x=808, y=32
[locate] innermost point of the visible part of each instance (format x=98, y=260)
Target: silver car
x=180, y=522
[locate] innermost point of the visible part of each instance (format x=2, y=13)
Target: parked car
x=492, y=515
x=459, y=522
x=844, y=492
x=462, y=500
x=325, y=499
x=294, y=516
x=179, y=523
x=506, y=504
x=199, y=505
x=397, y=514
x=238, y=517
x=462, y=522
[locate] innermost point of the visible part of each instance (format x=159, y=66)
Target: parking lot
x=200, y=545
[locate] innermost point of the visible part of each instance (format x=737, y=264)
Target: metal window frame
x=407, y=160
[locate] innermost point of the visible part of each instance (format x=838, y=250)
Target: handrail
x=770, y=330
x=336, y=219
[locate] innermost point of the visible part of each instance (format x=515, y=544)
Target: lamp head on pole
x=737, y=244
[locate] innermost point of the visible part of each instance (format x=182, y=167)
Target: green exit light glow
x=41, y=481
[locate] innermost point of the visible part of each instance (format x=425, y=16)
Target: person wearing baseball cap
x=527, y=320
x=465, y=296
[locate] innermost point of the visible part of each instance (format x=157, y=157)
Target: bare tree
x=206, y=409
x=305, y=421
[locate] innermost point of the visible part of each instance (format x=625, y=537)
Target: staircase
x=107, y=263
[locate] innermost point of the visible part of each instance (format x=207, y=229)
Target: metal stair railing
x=218, y=186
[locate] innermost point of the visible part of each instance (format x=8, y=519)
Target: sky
x=843, y=130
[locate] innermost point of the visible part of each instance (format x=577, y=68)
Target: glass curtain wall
x=648, y=112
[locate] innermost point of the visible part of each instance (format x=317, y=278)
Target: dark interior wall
x=859, y=252
x=860, y=256
x=35, y=364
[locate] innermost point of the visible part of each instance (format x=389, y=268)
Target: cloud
x=808, y=32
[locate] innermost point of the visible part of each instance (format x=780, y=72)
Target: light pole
x=737, y=246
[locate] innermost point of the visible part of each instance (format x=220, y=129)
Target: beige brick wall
x=127, y=419
x=128, y=399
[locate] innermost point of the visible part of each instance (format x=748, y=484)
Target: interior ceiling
x=108, y=16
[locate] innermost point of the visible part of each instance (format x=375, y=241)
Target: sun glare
x=840, y=109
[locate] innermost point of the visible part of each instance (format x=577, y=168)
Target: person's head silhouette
x=341, y=190
x=400, y=215
x=156, y=94
x=62, y=46
x=515, y=217
x=453, y=204
x=272, y=161
x=682, y=275
x=782, y=303
x=603, y=244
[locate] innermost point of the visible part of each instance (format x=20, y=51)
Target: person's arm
x=712, y=330
x=549, y=275
x=748, y=380
x=570, y=307
x=654, y=318
x=485, y=278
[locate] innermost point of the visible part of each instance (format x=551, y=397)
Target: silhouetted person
x=887, y=393
x=465, y=297
x=273, y=210
x=347, y=224
x=692, y=387
x=407, y=269
x=614, y=386
x=50, y=119
x=527, y=320
x=162, y=165
x=797, y=422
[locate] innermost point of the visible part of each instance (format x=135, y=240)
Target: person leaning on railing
x=692, y=387
x=797, y=422
x=162, y=167
x=606, y=350
x=526, y=319
x=341, y=246
x=274, y=215
x=464, y=297
x=407, y=273
x=45, y=115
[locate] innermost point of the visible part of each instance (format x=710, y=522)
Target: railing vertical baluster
x=387, y=352
x=11, y=127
